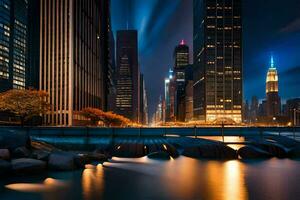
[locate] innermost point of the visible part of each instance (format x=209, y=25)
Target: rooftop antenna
x=272, y=61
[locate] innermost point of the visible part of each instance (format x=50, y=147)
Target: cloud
x=293, y=26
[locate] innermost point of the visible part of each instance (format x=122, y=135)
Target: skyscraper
x=273, y=99
x=70, y=62
x=143, y=101
x=107, y=55
x=13, y=44
x=128, y=75
x=181, y=61
x=217, y=60
x=170, y=97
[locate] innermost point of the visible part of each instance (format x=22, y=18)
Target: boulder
x=4, y=154
x=62, y=161
x=210, y=151
x=37, y=145
x=21, y=152
x=93, y=157
x=40, y=155
x=170, y=149
x=251, y=152
x=160, y=155
x=5, y=167
x=129, y=150
x=274, y=149
x=12, y=139
x=28, y=166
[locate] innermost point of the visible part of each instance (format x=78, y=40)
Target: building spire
x=272, y=61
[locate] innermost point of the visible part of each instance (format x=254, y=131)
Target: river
x=182, y=178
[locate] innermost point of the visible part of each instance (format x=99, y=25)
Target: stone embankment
x=19, y=155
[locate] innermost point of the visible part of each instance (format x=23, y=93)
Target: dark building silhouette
x=292, y=111
x=254, y=109
x=128, y=75
x=13, y=44
x=32, y=70
x=107, y=55
x=189, y=93
x=181, y=61
x=71, y=69
x=217, y=60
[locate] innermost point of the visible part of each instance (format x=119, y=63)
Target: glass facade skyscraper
x=217, y=60
x=70, y=58
x=13, y=44
x=128, y=75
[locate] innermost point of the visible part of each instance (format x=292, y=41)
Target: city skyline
x=279, y=37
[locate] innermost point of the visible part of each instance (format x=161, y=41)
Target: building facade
x=128, y=75
x=13, y=44
x=70, y=58
x=218, y=60
x=272, y=93
x=181, y=61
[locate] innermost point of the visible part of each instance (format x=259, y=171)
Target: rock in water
x=274, y=149
x=211, y=151
x=21, y=152
x=4, y=154
x=251, y=152
x=160, y=155
x=5, y=167
x=28, y=166
x=40, y=155
x=129, y=150
x=62, y=161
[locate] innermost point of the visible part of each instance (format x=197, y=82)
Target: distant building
x=128, y=75
x=262, y=109
x=13, y=44
x=254, y=109
x=218, y=89
x=143, y=102
x=181, y=61
x=273, y=99
x=246, y=112
x=292, y=111
x=189, y=82
x=170, y=89
x=71, y=69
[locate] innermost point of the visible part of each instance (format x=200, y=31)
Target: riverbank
x=22, y=155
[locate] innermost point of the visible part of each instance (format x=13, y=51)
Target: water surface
x=182, y=178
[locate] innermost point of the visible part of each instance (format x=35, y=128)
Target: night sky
x=269, y=27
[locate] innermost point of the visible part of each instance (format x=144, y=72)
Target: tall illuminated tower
x=273, y=99
x=218, y=85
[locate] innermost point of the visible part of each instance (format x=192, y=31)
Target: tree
x=108, y=118
x=92, y=114
x=25, y=104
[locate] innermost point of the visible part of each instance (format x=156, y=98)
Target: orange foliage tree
x=108, y=118
x=25, y=104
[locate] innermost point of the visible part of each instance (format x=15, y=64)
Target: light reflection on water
x=188, y=178
x=182, y=178
x=93, y=183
